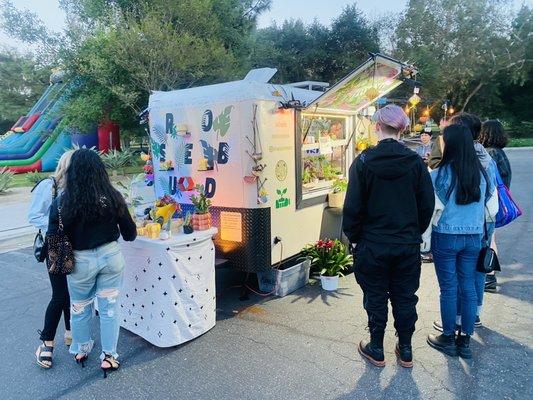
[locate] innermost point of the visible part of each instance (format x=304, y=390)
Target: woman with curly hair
x=494, y=139
x=93, y=215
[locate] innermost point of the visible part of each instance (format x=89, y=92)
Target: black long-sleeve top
x=390, y=196
x=91, y=234
x=503, y=164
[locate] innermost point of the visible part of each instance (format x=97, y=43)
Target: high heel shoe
x=81, y=360
x=113, y=364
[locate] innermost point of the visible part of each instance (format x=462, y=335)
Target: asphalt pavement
x=303, y=346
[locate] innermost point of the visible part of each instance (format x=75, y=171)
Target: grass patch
x=21, y=180
x=520, y=142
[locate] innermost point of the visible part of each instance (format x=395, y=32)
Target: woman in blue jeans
x=462, y=193
x=94, y=215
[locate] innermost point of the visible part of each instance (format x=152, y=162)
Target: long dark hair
x=89, y=195
x=460, y=156
x=492, y=134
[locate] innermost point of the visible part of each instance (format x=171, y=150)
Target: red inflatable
x=19, y=122
x=108, y=137
x=36, y=166
x=30, y=121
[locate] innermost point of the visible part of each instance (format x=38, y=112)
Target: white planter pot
x=329, y=282
x=336, y=200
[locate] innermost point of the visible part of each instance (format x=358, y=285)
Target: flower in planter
x=328, y=257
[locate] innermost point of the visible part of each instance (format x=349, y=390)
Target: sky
x=307, y=10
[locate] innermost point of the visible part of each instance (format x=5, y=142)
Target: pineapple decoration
x=201, y=219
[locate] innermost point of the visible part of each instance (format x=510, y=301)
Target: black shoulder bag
x=59, y=252
x=488, y=259
x=39, y=245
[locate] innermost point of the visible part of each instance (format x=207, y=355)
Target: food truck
x=267, y=155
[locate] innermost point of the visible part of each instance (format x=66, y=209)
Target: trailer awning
x=371, y=80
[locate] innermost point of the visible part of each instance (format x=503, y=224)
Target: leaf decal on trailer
x=222, y=123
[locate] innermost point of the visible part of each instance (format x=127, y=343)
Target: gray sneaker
x=438, y=326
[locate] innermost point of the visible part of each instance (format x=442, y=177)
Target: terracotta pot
x=201, y=222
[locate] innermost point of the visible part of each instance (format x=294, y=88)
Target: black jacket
x=390, y=196
x=503, y=164
x=92, y=234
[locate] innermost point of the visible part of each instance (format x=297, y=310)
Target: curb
x=518, y=148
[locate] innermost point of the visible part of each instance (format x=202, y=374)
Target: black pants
x=388, y=271
x=59, y=304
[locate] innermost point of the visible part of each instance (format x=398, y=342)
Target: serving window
x=321, y=155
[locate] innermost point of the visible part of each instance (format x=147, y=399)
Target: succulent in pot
x=201, y=219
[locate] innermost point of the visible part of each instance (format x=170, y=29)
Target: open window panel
x=322, y=154
x=327, y=126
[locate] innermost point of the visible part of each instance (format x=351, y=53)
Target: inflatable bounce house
x=36, y=141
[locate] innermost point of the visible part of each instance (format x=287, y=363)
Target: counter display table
x=168, y=294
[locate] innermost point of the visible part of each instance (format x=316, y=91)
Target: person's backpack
x=39, y=246
x=508, y=210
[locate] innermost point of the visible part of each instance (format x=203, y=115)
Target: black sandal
x=113, y=364
x=44, y=356
x=82, y=359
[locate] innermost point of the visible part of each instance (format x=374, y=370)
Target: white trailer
x=267, y=154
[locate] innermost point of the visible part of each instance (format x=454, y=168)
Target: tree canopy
x=475, y=53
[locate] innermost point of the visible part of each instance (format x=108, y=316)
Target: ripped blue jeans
x=97, y=272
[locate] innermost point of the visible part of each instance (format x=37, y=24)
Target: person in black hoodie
x=389, y=204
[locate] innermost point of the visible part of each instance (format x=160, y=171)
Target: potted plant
x=187, y=224
x=309, y=175
x=331, y=258
x=201, y=219
x=338, y=193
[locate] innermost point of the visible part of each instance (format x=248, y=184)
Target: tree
x=117, y=51
x=461, y=47
x=23, y=82
x=314, y=51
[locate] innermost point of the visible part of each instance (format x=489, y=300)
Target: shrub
x=35, y=177
x=6, y=177
x=116, y=159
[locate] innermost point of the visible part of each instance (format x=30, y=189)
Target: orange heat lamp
x=451, y=110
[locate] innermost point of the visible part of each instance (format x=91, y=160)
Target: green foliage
x=329, y=257
x=523, y=142
x=307, y=176
x=126, y=189
x=187, y=221
x=35, y=177
x=340, y=185
x=22, y=83
x=314, y=51
x=462, y=47
x=120, y=50
x=117, y=159
x=201, y=202
x=6, y=178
